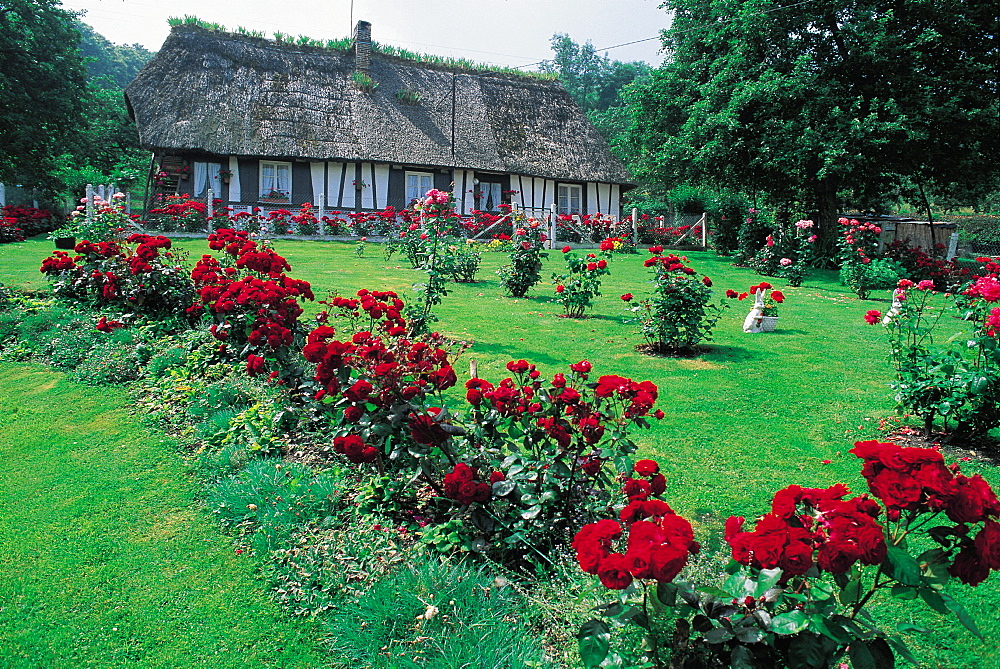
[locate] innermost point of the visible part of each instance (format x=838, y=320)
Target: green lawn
x=106, y=559
x=753, y=414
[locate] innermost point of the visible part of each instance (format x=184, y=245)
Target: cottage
x=274, y=124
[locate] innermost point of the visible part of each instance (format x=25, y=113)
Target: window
x=570, y=199
x=417, y=185
x=487, y=196
x=275, y=180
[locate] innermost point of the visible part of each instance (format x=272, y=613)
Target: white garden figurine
x=754, y=320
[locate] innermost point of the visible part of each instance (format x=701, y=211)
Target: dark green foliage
x=464, y=618
x=817, y=101
x=729, y=210
x=42, y=79
x=881, y=274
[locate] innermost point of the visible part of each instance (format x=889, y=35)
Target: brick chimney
x=363, y=46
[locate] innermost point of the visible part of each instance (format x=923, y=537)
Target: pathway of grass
x=105, y=558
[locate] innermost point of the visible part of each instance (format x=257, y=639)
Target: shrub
x=680, y=313
x=801, y=578
x=119, y=359
x=752, y=236
x=30, y=220
x=729, y=210
x=512, y=474
x=959, y=379
x=877, y=274
x=577, y=288
x=525, y=268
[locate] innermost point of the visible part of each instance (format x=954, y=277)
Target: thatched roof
x=230, y=94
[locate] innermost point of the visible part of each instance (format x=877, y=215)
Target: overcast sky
x=503, y=32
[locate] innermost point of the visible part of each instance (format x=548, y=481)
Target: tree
x=814, y=102
x=42, y=83
x=595, y=82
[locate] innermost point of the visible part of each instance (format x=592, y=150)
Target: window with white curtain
x=417, y=185
x=487, y=195
x=275, y=179
x=570, y=199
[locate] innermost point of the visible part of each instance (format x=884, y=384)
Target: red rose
x=646, y=467
x=968, y=567
x=560, y=288
x=613, y=572
x=973, y=500
x=988, y=544
x=566, y=249
x=637, y=489
x=705, y=280
x=582, y=367
x=601, y=264
x=666, y=561
x=657, y=484
x=627, y=297
x=777, y=296
x=731, y=293
x=873, y=316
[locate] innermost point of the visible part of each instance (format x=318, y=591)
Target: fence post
x=320, y=202
x=209, y=209
x=704, y=230
x=552, y=225
x=952, y=247
x=90, y=201
x=128, y=202
x=635, y=225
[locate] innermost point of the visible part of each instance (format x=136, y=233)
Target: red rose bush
x=803, y=575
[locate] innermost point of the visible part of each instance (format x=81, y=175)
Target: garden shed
x=275, y=124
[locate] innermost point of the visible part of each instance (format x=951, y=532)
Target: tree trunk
x=825, y=218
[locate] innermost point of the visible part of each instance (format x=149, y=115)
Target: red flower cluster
x=59, y=262
x=671, y=262
x=461, y=485
x=658, y=545
x=390, y=371
x=104, y=325
x=355, y=449
x=267, y=301
x=916, y=480
x=810, y=526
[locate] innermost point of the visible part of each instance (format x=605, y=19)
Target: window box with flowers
x=225, y=175
x=275, y=182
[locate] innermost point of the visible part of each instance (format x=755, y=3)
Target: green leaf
x=808, y=651
x=904, y=592
x=666, y=594
x=964, y=616
x=871, y=654
x=766, y=581
x=933, y=599
x=909, y=627
x=594, y=642
x=623, y=464
x=904, y=567
x=741, y=658
x=902, y=649
x=851, y=592
x=791, y=622
x=532, y=512
x=829, y=628
x=738, y=586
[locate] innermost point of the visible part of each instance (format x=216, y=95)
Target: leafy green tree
x=595, y=82
x=110, y=65
x=812, y=103
x=42, y=85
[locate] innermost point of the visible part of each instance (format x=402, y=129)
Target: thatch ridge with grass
x=231, y=94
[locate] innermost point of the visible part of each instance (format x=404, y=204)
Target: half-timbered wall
x=384, y=185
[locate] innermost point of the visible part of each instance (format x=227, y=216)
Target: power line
x=678, y=32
